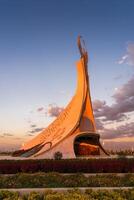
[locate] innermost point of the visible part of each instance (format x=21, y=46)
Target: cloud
x=118, y=111
x=98, y=105
x=124, y=103
x=126, y=130
x=123, y=59
x=54, y=110
x=17, y=138
x=7, y=134
x=99, y=124
x=40, y=109
x=1, y=136
x=36, y=130
x=128, y=58
x=33, y=125
x=29, y=134
x=126, y=92
x=108, y=113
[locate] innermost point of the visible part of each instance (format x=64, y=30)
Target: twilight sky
x=38, y=53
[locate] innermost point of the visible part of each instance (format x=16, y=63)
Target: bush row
x=71, y=195
x=56, y=180
x=113, y=165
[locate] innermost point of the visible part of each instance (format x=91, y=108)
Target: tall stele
x=73, y=132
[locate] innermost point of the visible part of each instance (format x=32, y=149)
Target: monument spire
x=87, y=106
x=74, y=128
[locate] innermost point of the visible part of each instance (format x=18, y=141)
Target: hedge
x=113, y=165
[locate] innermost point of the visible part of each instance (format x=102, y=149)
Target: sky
x=38, y=54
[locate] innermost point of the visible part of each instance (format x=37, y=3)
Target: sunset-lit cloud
x=109, y=113
x=36, y=130
x=125, y=93
x=124, y=103
x=7, y=134
x=54, y=110
x=33, y=125
x=40, y=109
x=1, y=136
x=117, y=112
x=29, y=134
x=126, y=130
x=18, y=138
x=98, y=105
x=99, y=124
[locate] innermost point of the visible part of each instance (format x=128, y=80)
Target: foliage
x=8, y=195
x=72, y=195
x=54, y=180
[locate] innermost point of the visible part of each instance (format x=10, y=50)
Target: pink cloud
x=40, y=109
x=124, y=103
x=54, y=110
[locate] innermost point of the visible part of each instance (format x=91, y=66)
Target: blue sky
x=38, y=52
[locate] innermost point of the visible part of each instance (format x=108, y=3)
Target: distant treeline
x=126, y=152
x=6, y=153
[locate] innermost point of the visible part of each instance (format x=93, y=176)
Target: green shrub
x=71, y=195
x=35, y=196
x=7, y=195
x=48, y=180
x=56, y=196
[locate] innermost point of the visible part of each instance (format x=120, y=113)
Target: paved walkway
x=82, y=189
x=68, y=174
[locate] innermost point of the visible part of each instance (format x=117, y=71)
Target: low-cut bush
x=58, y=155
x=55, y=180
x=107, y=165
x=71, y=195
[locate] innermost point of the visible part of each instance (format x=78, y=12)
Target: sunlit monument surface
x=73, y=133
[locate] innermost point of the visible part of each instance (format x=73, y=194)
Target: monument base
x=83, y=144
